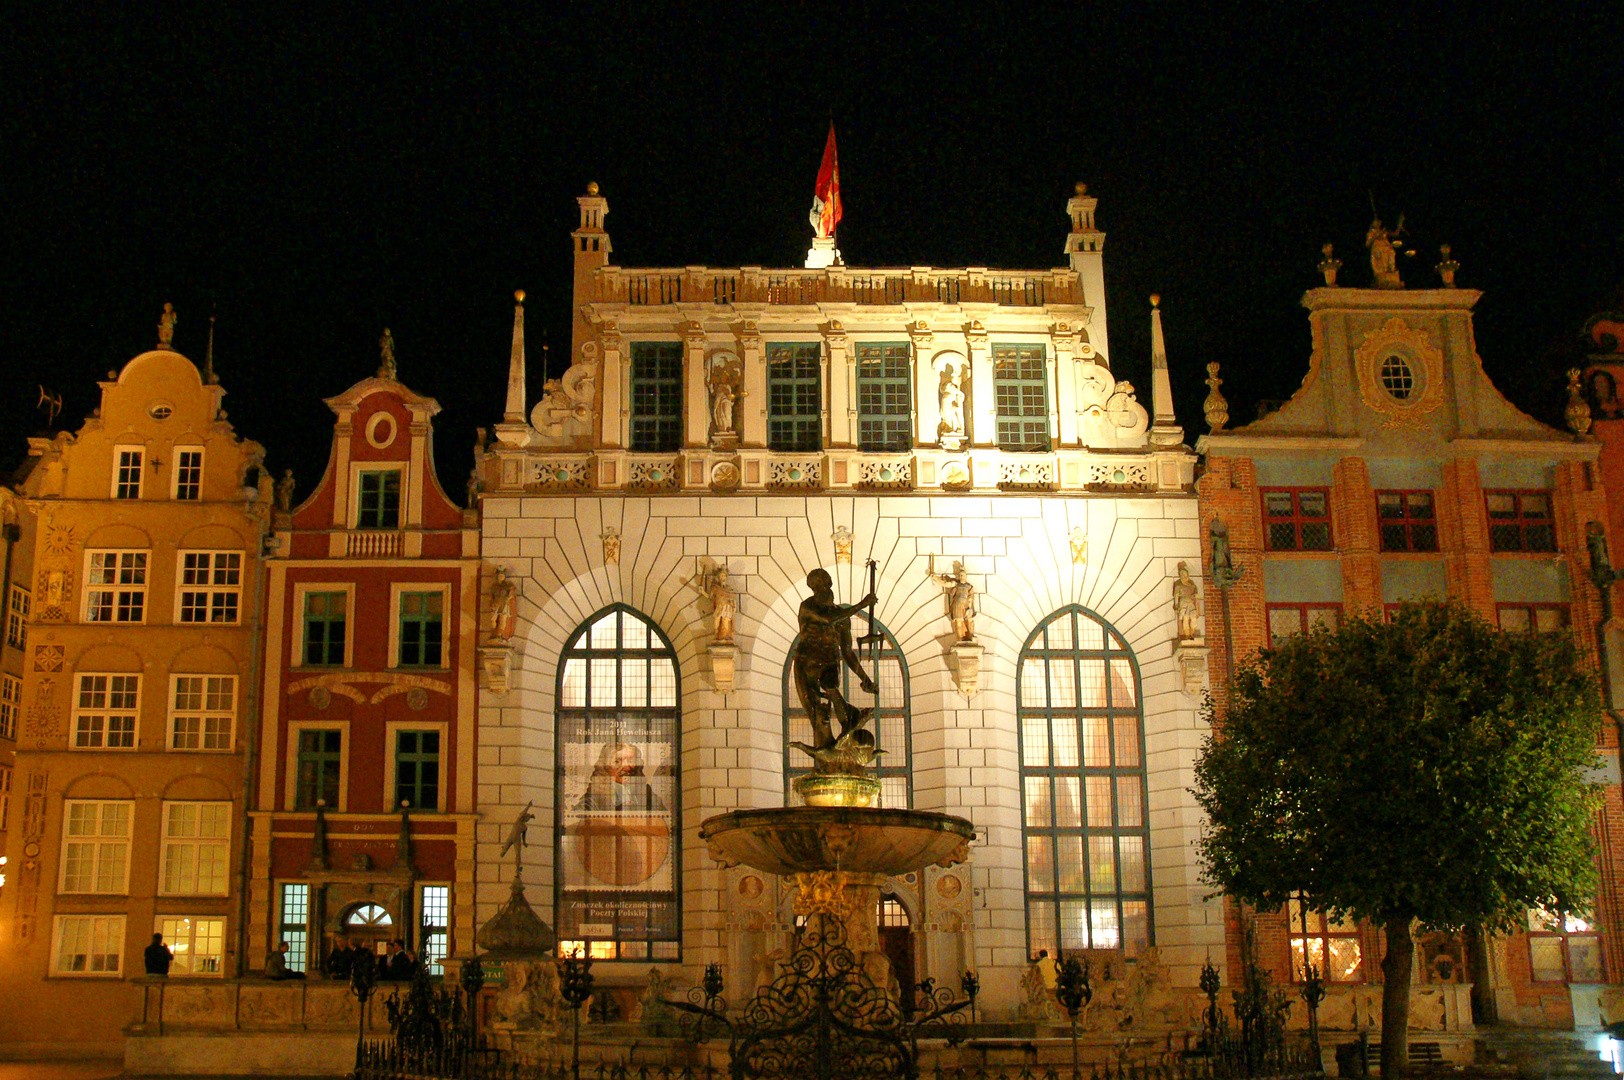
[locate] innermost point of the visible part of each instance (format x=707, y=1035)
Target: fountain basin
x=868, y=840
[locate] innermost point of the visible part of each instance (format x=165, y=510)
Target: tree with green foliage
x=1428, y=770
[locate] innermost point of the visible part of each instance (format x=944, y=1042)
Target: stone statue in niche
x=961, y=598
x=1186, y=604
x=952, y=402
x=723, y=374
x=722, y=409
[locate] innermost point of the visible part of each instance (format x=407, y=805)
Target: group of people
x=397, y=964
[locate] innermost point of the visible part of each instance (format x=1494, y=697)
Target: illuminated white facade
x=769, y=422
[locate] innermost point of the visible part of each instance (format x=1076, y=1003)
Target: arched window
x=368, y=917
x=893, y=730
x=617, y=889
x=1083, y=788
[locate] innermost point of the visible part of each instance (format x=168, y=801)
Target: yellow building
x=127, y=802
x=16, y=558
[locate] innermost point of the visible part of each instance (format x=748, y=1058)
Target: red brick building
x=363, y=791
x=1399, y=471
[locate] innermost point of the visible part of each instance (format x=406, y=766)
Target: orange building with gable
x=138, y=629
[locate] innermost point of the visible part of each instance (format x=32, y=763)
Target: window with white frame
x=189, y=475
x=104, y=712
x=420, y=629
x=210, y=586
x=202, y=712
x=96, y=846
x=89, y=945
x=435, y=904
x=378, y=499
x=325, y=616
x=294, y=924
x=17, y=605
x=11, y=702
x=196, y=848
x=127, y=462
x=417, y=769
x=116, y=586
x=198, y=943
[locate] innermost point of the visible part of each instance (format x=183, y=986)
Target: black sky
x=313, y=175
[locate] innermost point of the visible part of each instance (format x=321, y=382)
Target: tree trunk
x=1396, y=967
x=1477, y=962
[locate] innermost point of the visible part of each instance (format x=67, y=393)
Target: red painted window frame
x=1533, y=611
x=1297, y=518
x=1521, y=522
x=1302, y=609
x=1407, y=523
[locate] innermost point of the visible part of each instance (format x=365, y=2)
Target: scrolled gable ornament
x=1400, y=374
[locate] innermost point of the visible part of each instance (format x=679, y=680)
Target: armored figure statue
x=961, y=599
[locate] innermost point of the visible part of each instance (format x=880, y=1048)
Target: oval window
x=1397, y=377
x=381, y=430
x=160, y=410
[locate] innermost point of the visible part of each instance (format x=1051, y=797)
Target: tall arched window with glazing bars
x=891, y=722
x=617, y=891
x=1083, y=808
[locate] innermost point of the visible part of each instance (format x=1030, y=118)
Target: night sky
x=312, y=179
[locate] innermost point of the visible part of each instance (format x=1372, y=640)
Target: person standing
x=158, y=957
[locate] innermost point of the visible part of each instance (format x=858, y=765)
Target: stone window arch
x=1084, y=816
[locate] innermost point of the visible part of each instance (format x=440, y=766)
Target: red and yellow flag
x=826, y=209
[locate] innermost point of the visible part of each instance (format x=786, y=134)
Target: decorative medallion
x=320, y=697
x=417, y=699
x=750, y=886
x=948, y=886
x=724, y=476
x=955, y=474
x=1400, y=373
x=49, y=657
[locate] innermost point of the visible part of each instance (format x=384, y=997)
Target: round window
x=381, y=430
x=1397, y=377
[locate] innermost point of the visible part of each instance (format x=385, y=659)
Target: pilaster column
x=696, y=397
x=840, y=377
x=616, y=418
x=981, y=412
x=753, y=408
x=927, y=411
x=1063, y=338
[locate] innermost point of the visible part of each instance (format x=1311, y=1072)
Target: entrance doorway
x=371, y=925
x=896, y=942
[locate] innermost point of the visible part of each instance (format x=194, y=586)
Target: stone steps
x=1547, y=1055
